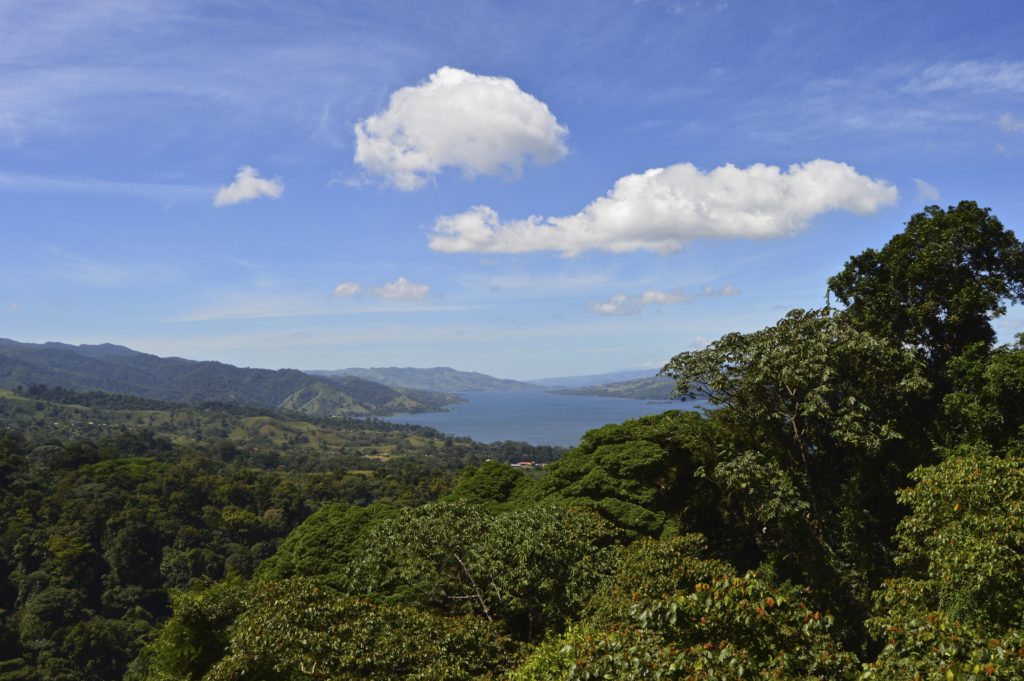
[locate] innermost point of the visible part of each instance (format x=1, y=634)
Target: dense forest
x=850, y=506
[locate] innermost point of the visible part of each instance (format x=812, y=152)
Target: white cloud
x=402, y=289
x=926, y=191
x=1005, y=76
x=1011, y=123
x=724, y=292
x=346, y=289
x=622, y=305
x=456, y=119
x=248, y=185
x=661, y=209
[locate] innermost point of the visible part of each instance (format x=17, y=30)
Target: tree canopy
x=937, y=284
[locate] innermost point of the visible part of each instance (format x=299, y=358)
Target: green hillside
x=441, y=379
x=651, y=388
x=118, y=369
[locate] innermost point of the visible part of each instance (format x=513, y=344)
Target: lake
x=540, y=418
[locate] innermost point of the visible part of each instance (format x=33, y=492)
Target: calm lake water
x=539, y=418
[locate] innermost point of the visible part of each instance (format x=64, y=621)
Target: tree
x=813, y=437
x=299, y=628
x=528, y=569
x=326, y=543
x=938, y=284
x=987, y=403
x=640, y=474
x=492, y=484
x=957, y=610
x=727, y=627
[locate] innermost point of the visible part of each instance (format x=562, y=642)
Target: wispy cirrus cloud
x=401, y=289
x=232, y=306
x=726, y=291
x=346, y=289
x=625, y=305
x=108, y=272
x=69, y=65
x=23, y=182
x=1011, y=123
x=925, y=190
x=622, y=305
x=997, y=75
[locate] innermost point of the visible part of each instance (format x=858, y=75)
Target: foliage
x=492, y=484
x=96, y=533
x=639, y=474
x=527, y=569
x=816, y=429
x=729, y=627
x=938, y=283
x=649, y=569
x=326, y=543
x=986, y=404
x=301, y=629
x=959, y=606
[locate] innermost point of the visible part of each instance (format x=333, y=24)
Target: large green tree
x=812, y=439
x=937, y=284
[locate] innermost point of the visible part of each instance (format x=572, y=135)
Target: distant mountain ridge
x=649, y=388
x=117, y=369
x=442, y=379
x=561, y=382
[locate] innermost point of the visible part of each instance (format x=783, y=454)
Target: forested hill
x=443, y=379
x=109, y=504
x=649, y=388
x=118, y=369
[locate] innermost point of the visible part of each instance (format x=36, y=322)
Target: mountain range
x=441, y=379
x=117, y=369
x=345, y=392
x=647, y=388
x=563, y=382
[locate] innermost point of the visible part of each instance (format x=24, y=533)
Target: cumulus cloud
x=456, y=119
x=248, y=185
x=1011, y=123
x=621, y=304
x=402, y=289
x=926, y=191
x=346, y=289
x=663, y=208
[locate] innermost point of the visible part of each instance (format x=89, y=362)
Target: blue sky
x=525, y=189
